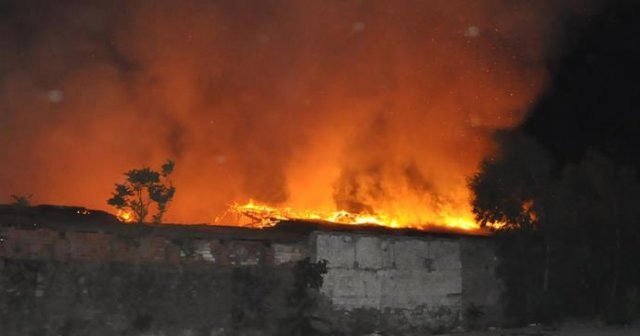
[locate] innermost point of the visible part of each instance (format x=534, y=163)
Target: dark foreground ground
x=568, y=330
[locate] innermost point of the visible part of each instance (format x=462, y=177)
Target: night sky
x=593, y=98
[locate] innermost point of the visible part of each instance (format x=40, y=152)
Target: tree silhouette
x=611, y=194
x=508, y=186
x=142, y=188
x=510, y=194
x=567, y=236
x=21, y=201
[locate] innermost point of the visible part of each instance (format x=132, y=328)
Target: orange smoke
x=379, y=108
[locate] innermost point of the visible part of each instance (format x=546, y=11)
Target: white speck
x=358, y=27
x=472, y=31
x=221, y=159
x=55, y=96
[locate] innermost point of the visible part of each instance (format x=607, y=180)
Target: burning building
x=329, y=116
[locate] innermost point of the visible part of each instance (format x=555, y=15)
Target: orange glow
x=528, y=208
x=261, y=216
x=345, y=111
x=125, y=216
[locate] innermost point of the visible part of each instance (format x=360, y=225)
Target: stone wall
x=174, y=280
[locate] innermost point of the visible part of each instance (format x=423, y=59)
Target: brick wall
x=50, y=244
x=72, y=283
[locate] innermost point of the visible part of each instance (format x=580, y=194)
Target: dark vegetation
x=566, y=187
x=303, y=299
x=21, y=201
x=568, y=234
x=251, y=290
x=142, y=188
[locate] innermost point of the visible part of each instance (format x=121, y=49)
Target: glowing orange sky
x=315, y=105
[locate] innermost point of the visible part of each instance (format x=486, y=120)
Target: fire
x=528, y=208
x=261, y=215
x=378, y=114
x=125, y=216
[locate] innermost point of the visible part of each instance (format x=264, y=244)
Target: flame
x=125, y=216
x=528, y=209
x=262, y=215
x=362, y=112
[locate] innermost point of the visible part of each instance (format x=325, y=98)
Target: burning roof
x=82, y=219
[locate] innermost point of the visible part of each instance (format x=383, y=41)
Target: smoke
x=359, y=105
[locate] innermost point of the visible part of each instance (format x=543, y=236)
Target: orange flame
x=261, y=215
x=390, y=107
x=125, y=216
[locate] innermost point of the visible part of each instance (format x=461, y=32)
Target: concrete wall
x=481, y=288
x=419, y=280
